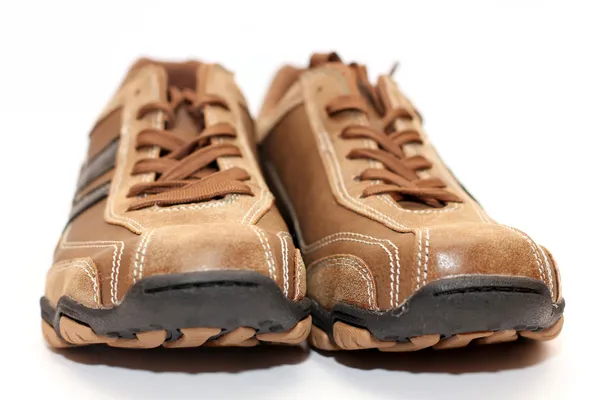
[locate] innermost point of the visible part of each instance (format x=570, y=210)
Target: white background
x=510, y=93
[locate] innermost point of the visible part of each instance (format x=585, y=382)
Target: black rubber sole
x=455, y=305
x=217, y=299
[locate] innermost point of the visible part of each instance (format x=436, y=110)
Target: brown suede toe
x=399, y=256
x=174, y=238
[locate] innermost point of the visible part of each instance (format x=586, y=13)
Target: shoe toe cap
x=485, y=249
x=184, y=249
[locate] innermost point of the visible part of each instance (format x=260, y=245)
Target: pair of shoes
x=175, y=239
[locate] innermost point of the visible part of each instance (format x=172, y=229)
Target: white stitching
x=394, y=272
x=266, y=198
x=533, y=249
x=352, y=263
x=451, y=208
x=284, y=256
x=243, y=141
x=137, y=256
x=325, y=141
x=117, y=275
x=426, y=263
x=393, y=91
x=151, y=153
x=122, y=162
x=141, y=272
x=85, y=266
x=218, y=203
x=249, y=161
x=455, y=206
x=251, y=209
x=393, y=280
x=154, y=152
x=419, y=258
x=112, y=215
x=115, y=260
x=340, y=185
x=94, y=279
x=259, y=204
x=397, y=270
x=116, y=264
x=267, y=249
x=331, y=154
x=140, y=256
x=548, y=270
x=299, y=264
x=349, y=262
x=482, y=214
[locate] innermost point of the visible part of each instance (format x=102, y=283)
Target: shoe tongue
x=318, y=59
x=356, y=78
x=368, y=91
x=187, y=76
x=185, y=126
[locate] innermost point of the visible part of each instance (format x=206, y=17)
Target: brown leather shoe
x=173, y=238
x=400, y=257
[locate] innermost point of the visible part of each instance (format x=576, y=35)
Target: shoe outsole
x=210, y=308
x=73, y=333
x=347, y=337
x=445, y=314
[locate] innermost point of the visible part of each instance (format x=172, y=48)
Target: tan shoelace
x=400, y=177
x=185, y=171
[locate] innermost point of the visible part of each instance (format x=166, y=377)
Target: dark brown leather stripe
x=89, y=200
x=99, y=165
x=107, y=177
x=105, y=131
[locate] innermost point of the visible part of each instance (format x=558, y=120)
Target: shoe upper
x=377, y=213
x=171, y=185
